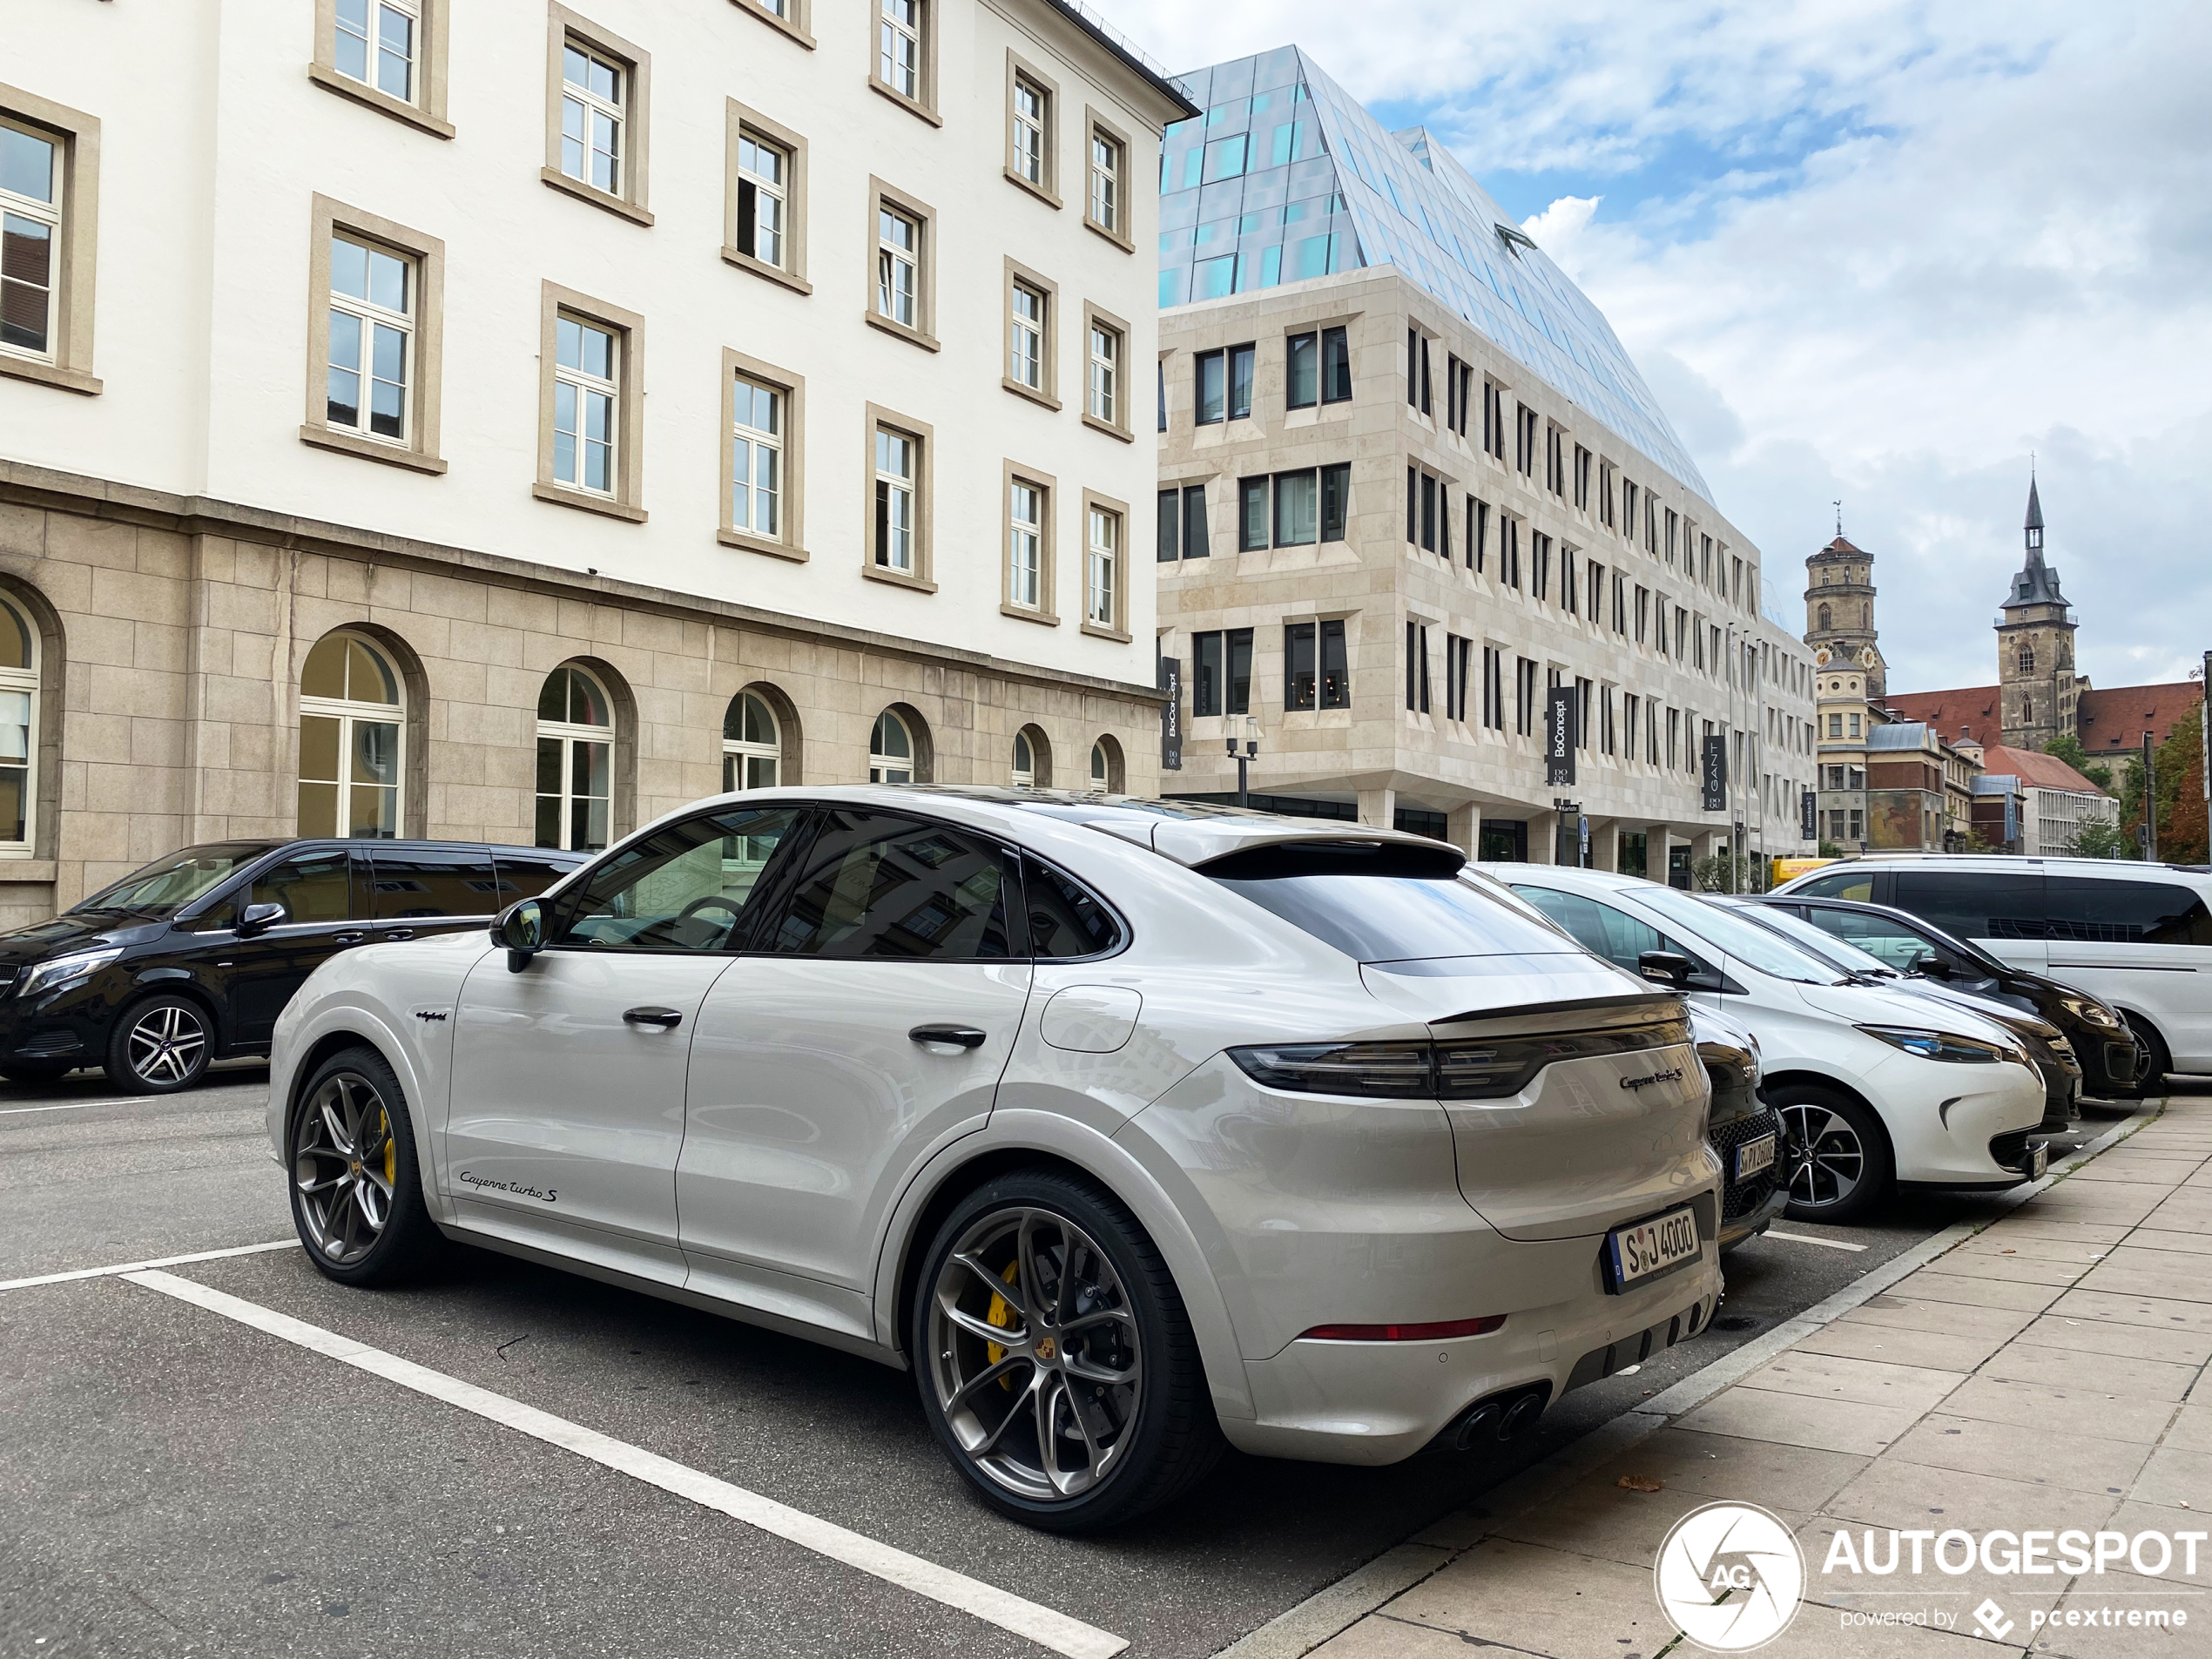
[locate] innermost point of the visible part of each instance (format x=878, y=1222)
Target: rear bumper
x=1375, y=1403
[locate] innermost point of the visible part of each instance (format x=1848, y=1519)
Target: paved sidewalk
x=2049, y=1372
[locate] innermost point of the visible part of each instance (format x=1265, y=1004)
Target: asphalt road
x=180, y=1482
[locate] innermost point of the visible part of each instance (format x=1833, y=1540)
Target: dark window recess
x=1336, y=500
x=432, y=882
x=1477, y=534
x=1163, y=378
x=1336, y=366
x=2088, y=910
x=1183, y=523
x=1067, y=920
x=1171, y=548
x=1315, y=671
x=1302, y=371
x=1212, y=374
x=1415, y=820
x=1252, y=513
x=1221, y=672
x=879, y=887
x=1224, y=385
x=312, y=886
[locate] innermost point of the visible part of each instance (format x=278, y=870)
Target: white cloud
x=1875, y=252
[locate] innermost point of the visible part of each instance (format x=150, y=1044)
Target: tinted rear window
x=1857, y=885
x=419, y=882
x=1066, y=919
x=1974, y=904
x=2087, y=910
x=878, y=885
x=524, y=875
x=1398, y=917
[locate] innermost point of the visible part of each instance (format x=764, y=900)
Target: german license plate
x=1754, y=1155
x=1651, y=1247
x=2038, y=1160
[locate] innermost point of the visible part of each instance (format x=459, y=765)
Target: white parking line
x=1010, y=1612
x=75, y=1105
x=1807, y=1238
x=136, y=1267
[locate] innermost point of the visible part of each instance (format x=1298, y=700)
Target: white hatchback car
x=1878, y=1087
x=1127, y=1126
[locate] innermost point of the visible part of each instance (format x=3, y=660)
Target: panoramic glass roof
x=1285, y=177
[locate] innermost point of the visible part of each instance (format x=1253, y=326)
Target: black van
x=192, y=959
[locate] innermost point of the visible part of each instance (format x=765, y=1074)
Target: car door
x=2138, y=944
x=324, y=894
x=567, y=1101
x=423, y=890
x=870, y=1024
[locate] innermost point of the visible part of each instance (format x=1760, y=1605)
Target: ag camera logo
x=1730, y=1575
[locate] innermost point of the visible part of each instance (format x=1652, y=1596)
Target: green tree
x=1711, y=874
x=2068, y=749
x=2101, y=841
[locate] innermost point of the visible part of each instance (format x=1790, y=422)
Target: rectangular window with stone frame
x=1105, y=522
x=591, y=401
x=764, y=455
x=598, y=105
x=1032, y=129
x=902, y=285
x=1105, y=351
x=1107, y=150
x=49, y=223
x=1027, y=590
x=905, y=68
x=388, y=55
x=765, y=207
x=375, y=338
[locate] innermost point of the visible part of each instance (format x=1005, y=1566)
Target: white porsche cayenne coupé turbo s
x=1127, y=1126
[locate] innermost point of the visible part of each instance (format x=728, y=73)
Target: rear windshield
x=166, y=885
x=1746, y=941
x=1400, y=917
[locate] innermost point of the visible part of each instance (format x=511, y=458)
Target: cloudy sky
x=1865, y=250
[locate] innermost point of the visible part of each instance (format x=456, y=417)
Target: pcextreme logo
x=1731, y=1576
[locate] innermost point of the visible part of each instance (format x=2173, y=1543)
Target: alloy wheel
x=1034, y=1353
x=165, y=1044
x=344, y=1167
x=1834, y=1161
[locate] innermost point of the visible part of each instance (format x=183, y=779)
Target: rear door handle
x=351, y=936
x=965, y=1036
x=400, y=933
x=667, y=1019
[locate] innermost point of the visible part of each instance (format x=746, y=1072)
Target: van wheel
x=356, y=1184
x=1845, y=1168
x=2157, y=1059
x=160, y=1045
x=1056, y=1362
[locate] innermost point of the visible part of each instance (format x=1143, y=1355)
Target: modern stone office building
x=1410, y=483
x=504, y=422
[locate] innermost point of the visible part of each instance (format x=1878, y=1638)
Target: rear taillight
x=1460, y=1068
x=1437, y=1332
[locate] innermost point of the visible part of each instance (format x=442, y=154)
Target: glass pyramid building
x=1285, y=176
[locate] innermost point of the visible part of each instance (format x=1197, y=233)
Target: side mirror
x=1930, y=966
x=259, y=919
x=1667, y=967
x=520, y=928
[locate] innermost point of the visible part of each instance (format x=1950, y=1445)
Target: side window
x=1066, y=919
x=879, y=886
x=520, y=875
x=1974, y=904
x=686, y=887
x=1899, y=948
x=1856, y=886
x=431, y=881
x=313, y=887
x=1614, y=934
x=2089, y=910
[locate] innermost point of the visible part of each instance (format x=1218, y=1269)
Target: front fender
x=1089, y=1147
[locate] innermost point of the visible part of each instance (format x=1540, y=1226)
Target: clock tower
x=2035, y=648
x=1839, y=610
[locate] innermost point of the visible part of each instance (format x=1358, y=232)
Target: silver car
x=1130, y=1126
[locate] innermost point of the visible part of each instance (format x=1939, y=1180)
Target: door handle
x=667, y=1019
x=965, y=1036
x=400, y=933
x=351, y=936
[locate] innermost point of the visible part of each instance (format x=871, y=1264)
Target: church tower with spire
x=1839, y=610
x=2035, y=649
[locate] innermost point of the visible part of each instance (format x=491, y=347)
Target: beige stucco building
x=619, y=397
x=1410, y=484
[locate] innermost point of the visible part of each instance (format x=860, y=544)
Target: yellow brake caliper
x=391, y=1151
x=1001, y=1315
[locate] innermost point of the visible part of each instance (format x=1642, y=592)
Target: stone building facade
x=1839, y=610
x=2038, y=689
x=578, y=583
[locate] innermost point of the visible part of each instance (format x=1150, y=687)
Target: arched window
x=1824, y=623
x=1025, y=762
x=576, y=744
x=1106, y=767
x=19, y=727
x=2027, y=658
x=352, y=719
x=752, y=747
x=891, y=750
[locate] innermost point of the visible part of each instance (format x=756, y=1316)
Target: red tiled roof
x=2115, y=721
x=1977, y=709
x=2032, y=768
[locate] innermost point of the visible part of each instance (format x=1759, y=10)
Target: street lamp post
x=1243, y=760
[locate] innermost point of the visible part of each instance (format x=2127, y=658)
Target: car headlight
x=64, y=970
x=2091, y=1013
x=1940, y=1045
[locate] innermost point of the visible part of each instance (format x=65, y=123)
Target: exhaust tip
x=1521, y=1416
x=1478, y=1426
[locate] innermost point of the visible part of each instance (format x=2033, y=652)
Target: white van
x=2137, y=935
